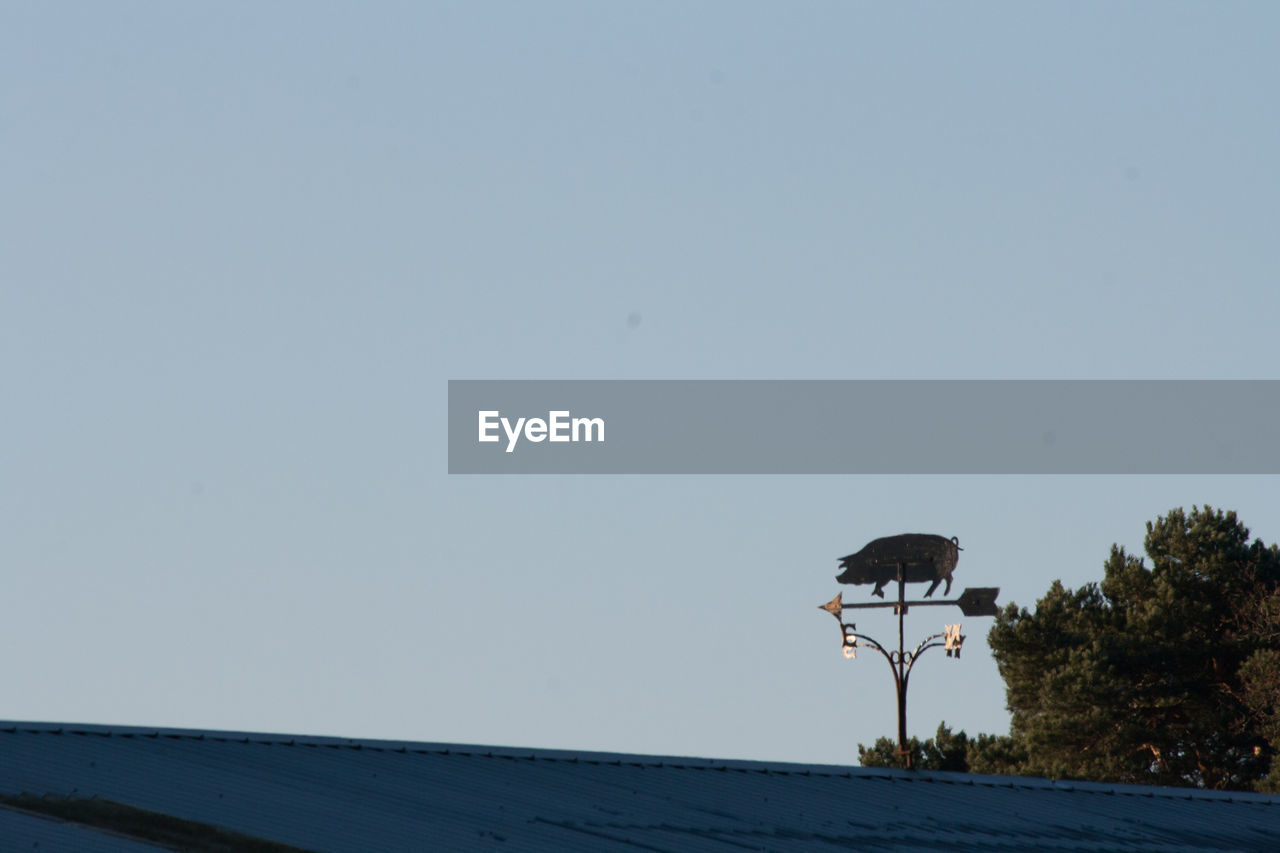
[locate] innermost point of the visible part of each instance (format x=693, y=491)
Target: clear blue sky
x=244, y=246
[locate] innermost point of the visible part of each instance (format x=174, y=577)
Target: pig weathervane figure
x=907, y=558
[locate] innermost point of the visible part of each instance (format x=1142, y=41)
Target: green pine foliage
x=948, y=750
x=1166, y=672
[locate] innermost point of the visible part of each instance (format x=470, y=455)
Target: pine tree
x=1158, y=674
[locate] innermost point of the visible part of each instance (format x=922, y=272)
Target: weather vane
x=907, y=558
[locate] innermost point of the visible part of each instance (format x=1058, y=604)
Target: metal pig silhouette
x=923, y=556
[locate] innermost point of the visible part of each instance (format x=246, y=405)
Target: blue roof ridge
x=773, y=768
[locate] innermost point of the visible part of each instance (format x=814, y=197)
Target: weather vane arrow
x=979, y=601
x=974, y=601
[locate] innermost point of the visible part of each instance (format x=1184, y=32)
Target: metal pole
x=902, y=672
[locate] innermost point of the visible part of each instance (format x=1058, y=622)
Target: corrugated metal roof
x=21, y=831
x=345, y=795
